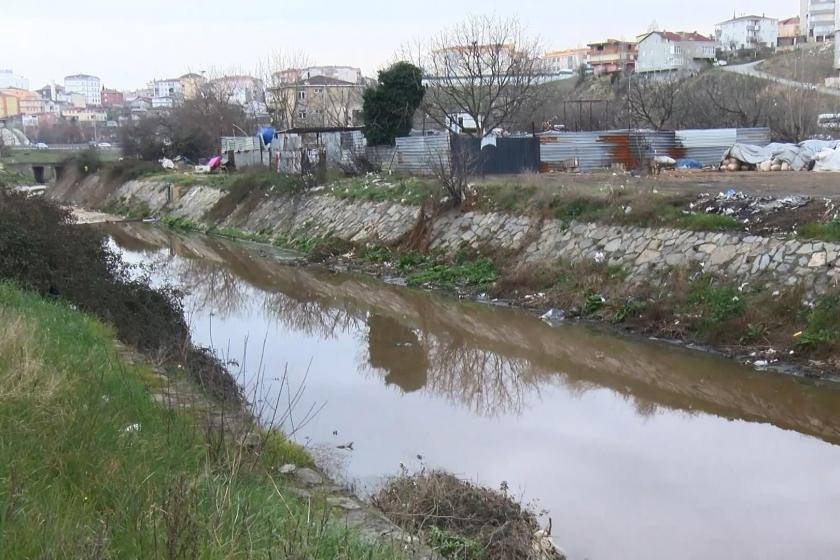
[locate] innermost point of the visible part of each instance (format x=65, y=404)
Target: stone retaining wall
x=645, y=253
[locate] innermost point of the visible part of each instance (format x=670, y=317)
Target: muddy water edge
x=636, y=449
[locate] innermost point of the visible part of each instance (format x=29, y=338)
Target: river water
x=636, y=449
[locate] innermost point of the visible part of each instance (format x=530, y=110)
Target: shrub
x=85, y=162
x=40, y=249
x=461, y=519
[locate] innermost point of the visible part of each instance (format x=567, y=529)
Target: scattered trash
x=599, y=257
x=132, y=428
x=554, y=316
x=686, y=163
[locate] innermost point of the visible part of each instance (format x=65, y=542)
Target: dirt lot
x=754, y=183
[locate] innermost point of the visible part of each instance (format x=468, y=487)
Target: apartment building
x=566, y=60
x=747, y=32
x=612, y=55
x=666, y=51
x=819, y=19
x=87, y=85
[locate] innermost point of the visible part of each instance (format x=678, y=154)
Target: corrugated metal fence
x=293, y=152
x=245, y=151
x=420, y=155
x=632, y=148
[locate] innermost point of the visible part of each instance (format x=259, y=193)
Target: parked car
x=41, y=146
x=103, y=145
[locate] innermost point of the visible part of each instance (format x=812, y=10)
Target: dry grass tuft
x=22, y=371
x=464, y=519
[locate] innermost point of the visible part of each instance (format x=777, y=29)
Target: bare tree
x=484, y=68
x=278, y=71
x=654, y=102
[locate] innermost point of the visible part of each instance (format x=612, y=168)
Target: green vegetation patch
x=824, y=231
x=632, y=206
x=376, y=187
x=91, y=466
x=476, y=272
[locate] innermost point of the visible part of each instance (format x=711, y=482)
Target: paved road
x=752, y=70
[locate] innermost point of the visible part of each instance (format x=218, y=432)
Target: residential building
x=344, y=73
x=819, y=19
x=245, y=91
x=29, y=102
x=612, y=55
x=112, y=98
x=89, y=86
x=317, y=102
x=789, y=32
x=86, y=114
x=190, y=84
x=50, y=91
x=747, y=32
x=77, y=100
x=666, y=51
x=165, y=93
x=240, y=90
x=32, y=104
x=9, y=79
x=8, y=105
x=565, y=60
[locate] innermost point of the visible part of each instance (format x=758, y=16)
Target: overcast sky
x=128, y=43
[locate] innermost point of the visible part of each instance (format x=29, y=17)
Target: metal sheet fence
x=245, y=151
x=632, y=148
x=420, y=155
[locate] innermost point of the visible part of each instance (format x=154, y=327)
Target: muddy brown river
x=637, y=449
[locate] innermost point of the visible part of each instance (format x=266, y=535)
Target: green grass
x=824, y=231
x=626, y=206
x=823, y=323
x=91, y=467
x=405, y=190
x=479, y=272
x=52, y=157
x=708, y=222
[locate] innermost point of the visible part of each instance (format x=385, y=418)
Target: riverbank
x=123, y=438
x=94, y=467
x=770, y=300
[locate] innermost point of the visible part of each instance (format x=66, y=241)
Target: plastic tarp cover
x=828, y=160
x=798, y=156
x=748, y=153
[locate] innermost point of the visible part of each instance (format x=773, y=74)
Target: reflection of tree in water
x=396, y=349
x=313, y=316
x=452, y=367
x=211, y=286
x=489, y=383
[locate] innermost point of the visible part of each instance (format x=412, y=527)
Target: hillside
x=809, y=64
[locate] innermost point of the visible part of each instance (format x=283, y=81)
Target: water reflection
x=639, y=450
x=492, y=361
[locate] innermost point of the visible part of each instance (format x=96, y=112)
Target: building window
x=302, y=95
x=301, y=114
x=318, y=91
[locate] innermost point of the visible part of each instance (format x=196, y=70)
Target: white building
x=165, y=93
x=819, y=19
x=665, y=51
x=349, y=74
x=747, y=32
x=567, y=60
x=89, y=86
x=8, y=79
